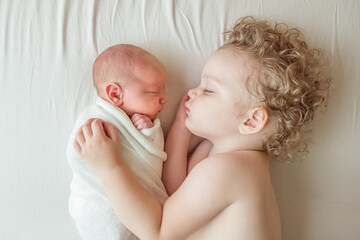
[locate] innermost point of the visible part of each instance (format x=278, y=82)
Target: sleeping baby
x=130, y=83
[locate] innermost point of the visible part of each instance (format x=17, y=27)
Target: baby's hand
x=141, y=121
x=98, y=143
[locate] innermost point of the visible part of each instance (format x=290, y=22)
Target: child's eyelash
x=208, y=91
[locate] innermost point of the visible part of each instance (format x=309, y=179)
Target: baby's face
x=217, y=105
x=145, y=91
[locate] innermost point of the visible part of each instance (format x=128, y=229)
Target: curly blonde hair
x=291, y=83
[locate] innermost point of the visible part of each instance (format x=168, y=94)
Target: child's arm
x=178, y=165
x=201, y=152
x=176, y=147
x=193, y=205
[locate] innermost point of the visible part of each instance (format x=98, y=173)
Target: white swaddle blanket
x=141, y=151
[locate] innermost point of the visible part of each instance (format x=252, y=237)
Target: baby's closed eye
x=153, y=92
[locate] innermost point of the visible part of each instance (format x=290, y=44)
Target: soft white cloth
x=141, y=151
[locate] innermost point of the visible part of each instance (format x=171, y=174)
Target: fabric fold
x=142, y=152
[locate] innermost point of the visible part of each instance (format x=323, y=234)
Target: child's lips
x=187, y=109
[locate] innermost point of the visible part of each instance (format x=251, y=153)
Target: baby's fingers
x=136, y=117
x=141, y=121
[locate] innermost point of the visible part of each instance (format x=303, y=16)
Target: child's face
x=217, y=105
x=144, y=93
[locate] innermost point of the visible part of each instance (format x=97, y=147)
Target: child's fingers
x=111, y=131
x=183, y=101
x=77, y=146
x=79, y=138
x=185, y=98
x=97, y=127
x=86, y=128
x=89, y=121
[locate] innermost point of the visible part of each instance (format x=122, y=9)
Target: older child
x=130, y=83
x=256, y=94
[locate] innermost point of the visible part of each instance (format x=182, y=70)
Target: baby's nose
x=163, y=99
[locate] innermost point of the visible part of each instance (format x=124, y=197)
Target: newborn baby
x=130, y=83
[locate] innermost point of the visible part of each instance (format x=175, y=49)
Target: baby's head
x=132, y=79
x=289, y=80
x=264, y=82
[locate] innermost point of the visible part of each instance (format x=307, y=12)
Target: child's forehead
x=230, y=63
x=234, y=55
x=210, y=78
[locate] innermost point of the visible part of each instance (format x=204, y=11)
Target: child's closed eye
x=208, y=91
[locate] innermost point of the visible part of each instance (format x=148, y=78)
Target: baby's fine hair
x=292, y=80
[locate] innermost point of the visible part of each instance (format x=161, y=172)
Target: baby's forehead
x=147, y=72
x=132, y=61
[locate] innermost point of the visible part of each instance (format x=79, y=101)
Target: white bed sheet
x=46, y=52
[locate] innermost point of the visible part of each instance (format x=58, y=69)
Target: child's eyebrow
x=207, y=77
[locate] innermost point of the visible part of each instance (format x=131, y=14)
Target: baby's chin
x=152, y=117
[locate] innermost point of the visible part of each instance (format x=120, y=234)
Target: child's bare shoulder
x=237, y=162
x=243, y=170
x=224, y=188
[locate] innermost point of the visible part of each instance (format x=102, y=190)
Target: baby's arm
x=176, y=147
x=141, y=121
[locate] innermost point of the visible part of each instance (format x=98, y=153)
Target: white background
x=46, y=53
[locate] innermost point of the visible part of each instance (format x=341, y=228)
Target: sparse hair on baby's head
x=119, y=61
x=292, y=80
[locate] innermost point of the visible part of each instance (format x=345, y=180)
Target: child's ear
x=255, y=121
x=114, y=94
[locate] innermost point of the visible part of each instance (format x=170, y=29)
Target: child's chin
x=189, y=127
x=187, y=123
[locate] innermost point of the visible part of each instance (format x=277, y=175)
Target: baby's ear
x=256, y=119
x=114, y=94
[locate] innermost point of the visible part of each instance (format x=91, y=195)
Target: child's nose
x=193, y=92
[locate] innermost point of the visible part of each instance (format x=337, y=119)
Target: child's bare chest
x=224, y=226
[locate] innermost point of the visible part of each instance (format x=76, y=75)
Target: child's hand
x=98, y=143
x=141, y=121
x=181, y=113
